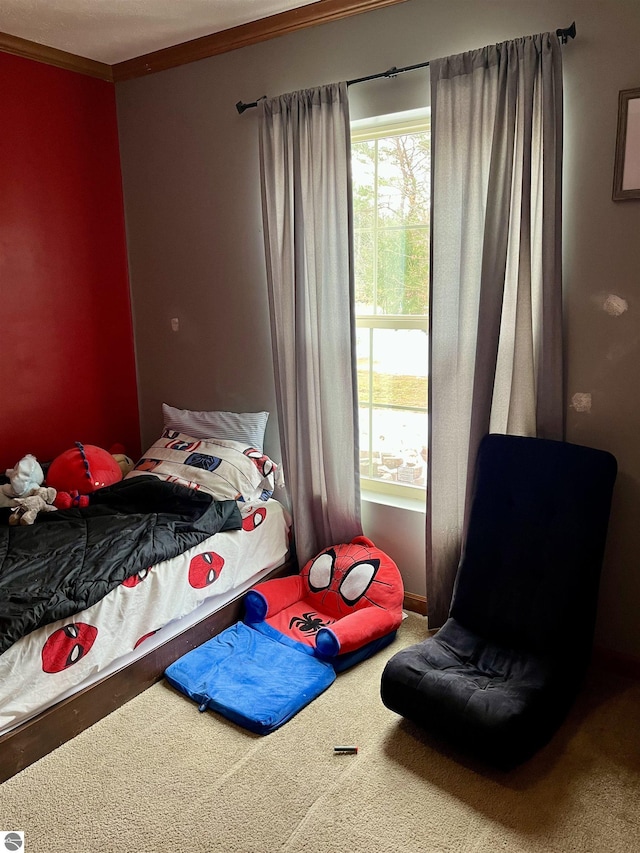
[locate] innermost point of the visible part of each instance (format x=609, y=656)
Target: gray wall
x=190, y=170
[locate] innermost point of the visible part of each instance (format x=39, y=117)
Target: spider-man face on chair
x=343, y=576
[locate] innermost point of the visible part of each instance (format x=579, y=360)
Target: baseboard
x=415, y=603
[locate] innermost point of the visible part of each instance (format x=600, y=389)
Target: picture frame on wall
x=626, y=170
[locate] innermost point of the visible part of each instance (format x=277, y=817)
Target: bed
x=59, y=676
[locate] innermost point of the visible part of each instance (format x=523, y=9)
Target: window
x=391, y=198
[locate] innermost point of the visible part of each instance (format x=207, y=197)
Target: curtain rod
x=563, y=34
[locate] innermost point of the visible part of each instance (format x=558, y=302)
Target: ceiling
x=112, y=31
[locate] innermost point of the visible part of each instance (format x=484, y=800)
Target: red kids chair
x=344, y=606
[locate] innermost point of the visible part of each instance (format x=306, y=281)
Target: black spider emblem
x=308, y=623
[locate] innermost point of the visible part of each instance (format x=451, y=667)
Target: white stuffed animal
x=26, y=476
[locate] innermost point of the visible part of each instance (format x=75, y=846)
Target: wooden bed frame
x=50, y=729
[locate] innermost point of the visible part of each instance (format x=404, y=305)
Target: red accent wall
x=67, y=369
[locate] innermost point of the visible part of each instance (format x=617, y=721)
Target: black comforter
x=70, y=559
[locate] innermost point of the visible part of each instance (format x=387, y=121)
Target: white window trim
x=415, y=502
x=411, y=121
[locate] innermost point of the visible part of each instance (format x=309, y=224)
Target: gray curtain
x=305, y=161
x=496, y=301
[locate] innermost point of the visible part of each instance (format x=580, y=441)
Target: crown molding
x=53, y=56
x=321, y=12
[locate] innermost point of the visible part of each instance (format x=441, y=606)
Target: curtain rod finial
x=241, y=107
x=565, y=34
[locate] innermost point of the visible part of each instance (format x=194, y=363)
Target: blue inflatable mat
x=250, y=678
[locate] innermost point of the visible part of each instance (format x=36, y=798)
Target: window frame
x=375, y=128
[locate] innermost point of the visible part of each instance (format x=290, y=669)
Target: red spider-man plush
x=345, y=599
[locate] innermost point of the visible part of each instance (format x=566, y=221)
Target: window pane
x=364, y=254
x=399, y=369
x=392, y=367
x=393, y=424
x=363, y=167
x=363, y=360
x=403, y=179
x=393, y=447
x=403, y=271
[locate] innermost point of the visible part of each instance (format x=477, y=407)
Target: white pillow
x=225, y=469
x=245, y=427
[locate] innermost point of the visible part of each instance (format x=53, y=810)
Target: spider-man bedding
x=345, y=605
x=68, y=626
x=71, y=559
x=146, y=610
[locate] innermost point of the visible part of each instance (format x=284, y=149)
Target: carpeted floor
x=158, y=776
